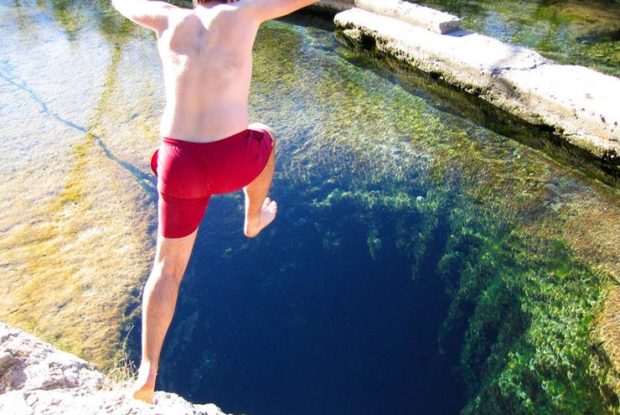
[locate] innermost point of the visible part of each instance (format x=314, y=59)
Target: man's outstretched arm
x=272, y=9
x=150, y=14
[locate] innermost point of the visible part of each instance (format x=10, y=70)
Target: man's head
x=198, y=2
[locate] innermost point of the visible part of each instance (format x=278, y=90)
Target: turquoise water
x=424, y=260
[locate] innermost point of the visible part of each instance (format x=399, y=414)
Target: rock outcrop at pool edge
x=36, y=378
x=577, y=102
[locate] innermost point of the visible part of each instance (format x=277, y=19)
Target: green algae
x=524, y=304
x=69, y=15
x=524, y=300
x=571, y=32
x=529, y=345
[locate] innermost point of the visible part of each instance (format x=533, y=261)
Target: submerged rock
x=36, y=378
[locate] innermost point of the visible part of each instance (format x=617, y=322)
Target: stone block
x=583, y=102
x=578, y=102
x=424, y=17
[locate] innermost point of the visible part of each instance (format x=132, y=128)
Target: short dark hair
x=197, y=2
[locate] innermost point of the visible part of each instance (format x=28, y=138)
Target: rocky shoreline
x=574, y=101
x=38, y=379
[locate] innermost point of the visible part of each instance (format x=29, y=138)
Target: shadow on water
x=310, y=19
x=23, y=85
x=147, y=182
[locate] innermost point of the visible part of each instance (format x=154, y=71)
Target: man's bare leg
x=260, y=211
x=159, y=300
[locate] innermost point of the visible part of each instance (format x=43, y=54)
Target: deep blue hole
x=292, y=324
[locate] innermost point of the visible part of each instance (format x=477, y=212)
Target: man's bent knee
x=173, y=255
x=168, y=268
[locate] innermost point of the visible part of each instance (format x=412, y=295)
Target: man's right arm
x=150, y=14
x=271, y=9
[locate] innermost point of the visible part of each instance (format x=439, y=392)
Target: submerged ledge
x=575, y=101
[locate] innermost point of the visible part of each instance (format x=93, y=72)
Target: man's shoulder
x=262, y=10
x=245, y=9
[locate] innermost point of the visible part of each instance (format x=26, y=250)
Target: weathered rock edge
x=424, y=17
x=37, y=379
x=575, y=101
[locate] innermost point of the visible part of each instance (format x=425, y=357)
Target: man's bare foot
x=144, y=388
x=144, y=394
x=267, y=215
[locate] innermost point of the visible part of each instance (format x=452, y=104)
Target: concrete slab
x=467, y=59
x=424, y=17
x=576, y=101
x=584, y=103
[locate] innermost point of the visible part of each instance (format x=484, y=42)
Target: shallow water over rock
x=422, y=260
x=572, y=32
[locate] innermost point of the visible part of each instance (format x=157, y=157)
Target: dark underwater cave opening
x=318, y=325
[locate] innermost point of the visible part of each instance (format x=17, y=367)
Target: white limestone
x=580, y=103
x=37, y=379
x=424, y=17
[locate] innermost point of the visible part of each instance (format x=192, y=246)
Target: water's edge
x=591, y=143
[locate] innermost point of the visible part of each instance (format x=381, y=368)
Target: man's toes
x=143, y=395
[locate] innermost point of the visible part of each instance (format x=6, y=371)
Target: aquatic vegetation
x=69, y=15
x=571, y=31
x=65, y=249
x=529, y=344
x=524, y=303
x=409, y=212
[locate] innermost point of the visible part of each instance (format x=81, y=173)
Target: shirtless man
x=208, y=147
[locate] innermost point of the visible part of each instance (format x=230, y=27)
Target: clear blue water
x=326, y=311
x=340, y=306
x=419, y=245
x=294, y=324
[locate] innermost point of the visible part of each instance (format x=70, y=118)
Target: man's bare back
x=207, y=62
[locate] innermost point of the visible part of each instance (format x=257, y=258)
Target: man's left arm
x=150, y=14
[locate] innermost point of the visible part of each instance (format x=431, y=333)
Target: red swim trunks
x=189, y=173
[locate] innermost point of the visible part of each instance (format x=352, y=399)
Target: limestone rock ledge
x=38, y=379
x=579, y=103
